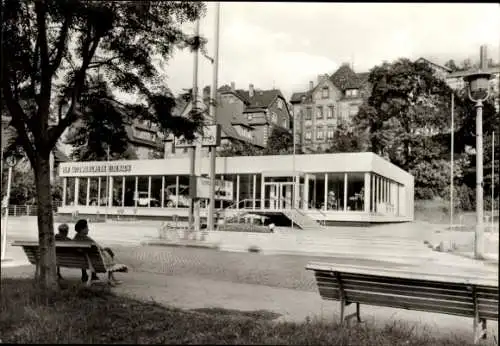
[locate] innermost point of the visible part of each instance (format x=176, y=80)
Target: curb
x=178, y=244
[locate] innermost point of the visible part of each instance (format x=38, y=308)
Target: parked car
x=143, y=200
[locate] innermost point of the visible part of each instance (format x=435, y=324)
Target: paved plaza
x=192, y=278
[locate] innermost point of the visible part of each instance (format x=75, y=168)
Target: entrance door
x=271, y=196
x=279, y=195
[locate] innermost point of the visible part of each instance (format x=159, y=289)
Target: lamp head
x=478, y=85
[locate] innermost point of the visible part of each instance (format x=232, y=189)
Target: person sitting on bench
x=82, y=230
x=62, y=235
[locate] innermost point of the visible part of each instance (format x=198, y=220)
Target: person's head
x=82, y=227
x=63, y=229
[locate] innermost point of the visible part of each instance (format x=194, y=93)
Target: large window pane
x=355, y=191
x=70, y=191
x=94, y=191
x=335, y=194
x=129, y=191
x=104, y=191
x=141, y=198
x=117, y=191
x=169, y=194
x=82, y=191
x=155, y=191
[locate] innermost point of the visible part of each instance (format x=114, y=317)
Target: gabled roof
x=297, y=97
x=345, y=78
x=226, y=119
x=261, y=98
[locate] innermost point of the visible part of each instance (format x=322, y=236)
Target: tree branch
x=61, y=44
x=72, y=113
x=19, y=119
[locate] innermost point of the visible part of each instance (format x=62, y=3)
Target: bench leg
x=480, y=331
x=342, y=311
x=354, y=314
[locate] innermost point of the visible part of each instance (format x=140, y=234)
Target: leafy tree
x=280, y=142
x=407, y=102
x=50, y=51
x=345, y=140
x=238, y=148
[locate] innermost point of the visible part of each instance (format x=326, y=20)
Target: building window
x=308, y=135
x=320, y=134
x=330, y=132
x=325, y=93
x=319, y=112
x=308, y=113
x=351, y=93
x=330, y=112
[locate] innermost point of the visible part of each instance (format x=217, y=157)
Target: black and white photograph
x=249, y=173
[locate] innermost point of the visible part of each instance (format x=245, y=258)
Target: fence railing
x=28, y=210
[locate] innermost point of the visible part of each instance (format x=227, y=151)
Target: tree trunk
x=47, y=264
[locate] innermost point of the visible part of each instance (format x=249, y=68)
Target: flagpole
x=492, y=177
x=452, y=154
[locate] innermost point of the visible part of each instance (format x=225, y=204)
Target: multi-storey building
x=333, y=100
x=146, y=139
x=247, y=116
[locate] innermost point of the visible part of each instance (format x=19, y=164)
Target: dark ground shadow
x=257, y=314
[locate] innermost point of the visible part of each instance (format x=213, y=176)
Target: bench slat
x=417, y=284
x=492, y=316
x=329, y=293
x=458, y=296
x=409, y=304
x=442, y=278
x=68, y=254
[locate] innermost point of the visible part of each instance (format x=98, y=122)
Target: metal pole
x=107, y=184
x=213, y=114
x=492, y=177
x=192, y=150
x=5, y=222
x=479, y=235
x=452, y=156
x=293, y=168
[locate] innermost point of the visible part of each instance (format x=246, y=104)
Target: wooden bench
x=71, y=254
x=453, y=295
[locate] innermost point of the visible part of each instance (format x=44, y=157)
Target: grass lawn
x=81, y=315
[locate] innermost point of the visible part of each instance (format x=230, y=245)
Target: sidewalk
x=293, y=305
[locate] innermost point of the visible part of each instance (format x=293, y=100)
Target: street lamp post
x=479, y=90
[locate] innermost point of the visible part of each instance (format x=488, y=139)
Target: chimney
x=484, y=59
x=250, y=90
x=311, y=85
x=233, y=86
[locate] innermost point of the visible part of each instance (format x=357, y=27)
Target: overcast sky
x=287, y=44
